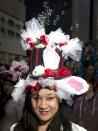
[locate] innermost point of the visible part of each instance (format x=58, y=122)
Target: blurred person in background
x=85, y=112
x=88, y=56
x=12, y=110
x=2, y=69
x=96, y=75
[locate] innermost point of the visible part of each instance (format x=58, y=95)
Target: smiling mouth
x=44, y=112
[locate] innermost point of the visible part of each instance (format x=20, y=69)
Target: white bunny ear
x=73, y=85
x=51, y=58
x=78, y=85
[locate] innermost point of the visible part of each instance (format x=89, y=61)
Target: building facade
x=12, y=17
x=85, y=20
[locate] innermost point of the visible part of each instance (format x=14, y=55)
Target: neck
x=43, y=126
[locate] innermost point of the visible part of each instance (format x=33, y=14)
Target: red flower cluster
x=62, y=44
x=58, y=73
x=37, y=87
x=43, y=40
x=29, y=42
x=32, y=88
x=32, y=44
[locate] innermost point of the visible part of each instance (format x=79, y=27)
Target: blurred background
x=79, y=18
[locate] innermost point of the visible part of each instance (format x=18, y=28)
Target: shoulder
x=76, y=127
x=13, y=126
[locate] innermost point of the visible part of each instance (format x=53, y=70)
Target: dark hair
x=30, y=122
x=6, y=76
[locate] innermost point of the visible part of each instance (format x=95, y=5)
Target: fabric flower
x=59, y=73
x=32, y=88
x=38, y=71
x=62, y=44
x=30, y=43
x=28, y=40
x=43, y=40
x=17, y=69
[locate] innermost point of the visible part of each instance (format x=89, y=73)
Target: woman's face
x=45, y=104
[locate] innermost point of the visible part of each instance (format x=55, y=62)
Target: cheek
x=54, y=105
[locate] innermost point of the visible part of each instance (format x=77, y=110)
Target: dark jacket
x=85, y=113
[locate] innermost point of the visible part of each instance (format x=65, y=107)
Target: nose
x=43, y=105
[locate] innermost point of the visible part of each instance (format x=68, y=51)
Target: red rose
x=63, y=72
x=28, y=88
x=28, y=40
x=32, y=45
x=62, y=44
x=32, y=88
x=59, y=73
x=48, y=73
x=43, y=39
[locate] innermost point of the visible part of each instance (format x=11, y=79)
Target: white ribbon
x=46, y=82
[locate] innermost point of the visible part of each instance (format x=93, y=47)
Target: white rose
x=38, y=71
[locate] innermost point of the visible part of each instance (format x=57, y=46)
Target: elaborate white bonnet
x=49, y=74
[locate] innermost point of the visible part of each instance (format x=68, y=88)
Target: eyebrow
x=50, y=94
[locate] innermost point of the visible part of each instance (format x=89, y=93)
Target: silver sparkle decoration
x=56, y=19
x=43, y=18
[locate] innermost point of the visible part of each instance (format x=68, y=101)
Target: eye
x=35, y=97
x=50, y=98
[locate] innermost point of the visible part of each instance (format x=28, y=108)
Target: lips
x=44, y=112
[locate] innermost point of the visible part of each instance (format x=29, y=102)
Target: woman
x=44, y=104
x=12, y=110
x=44, y=111
x=85, y=109
x=48, y=86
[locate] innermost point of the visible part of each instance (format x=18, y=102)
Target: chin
x=47, y=119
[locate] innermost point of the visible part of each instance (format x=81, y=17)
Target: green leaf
x=38, y=41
